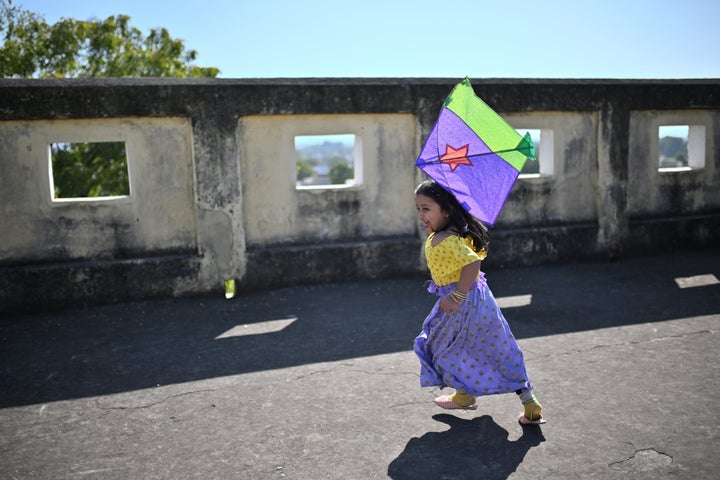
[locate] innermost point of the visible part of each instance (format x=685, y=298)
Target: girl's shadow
x=475, y=448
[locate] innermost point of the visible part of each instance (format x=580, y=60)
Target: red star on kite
x=455, y=157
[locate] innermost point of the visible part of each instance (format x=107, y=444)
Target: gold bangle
x=458, y=297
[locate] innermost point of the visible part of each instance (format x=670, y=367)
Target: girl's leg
x=532, y=414
x=459, y=399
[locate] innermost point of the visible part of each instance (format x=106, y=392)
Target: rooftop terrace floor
x=320, y=381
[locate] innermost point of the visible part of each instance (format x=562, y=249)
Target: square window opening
x=681, y=148
x=327, y=161
x=88, y=171
x=543, y=165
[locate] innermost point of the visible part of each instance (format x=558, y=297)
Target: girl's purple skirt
x=472, y=347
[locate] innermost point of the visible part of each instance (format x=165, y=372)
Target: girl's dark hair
x=458, y=218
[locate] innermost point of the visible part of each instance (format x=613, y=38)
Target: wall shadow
x=577, y=297
x=116, y=348
x=102, y=350
x=471, y=449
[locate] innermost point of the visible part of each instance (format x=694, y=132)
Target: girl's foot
x=532, y=414
x=456, y=401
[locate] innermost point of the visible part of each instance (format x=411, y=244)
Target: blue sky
x=422, y=38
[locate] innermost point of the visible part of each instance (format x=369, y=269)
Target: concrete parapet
x=213, y=195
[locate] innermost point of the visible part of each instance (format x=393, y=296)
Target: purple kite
x=474, y=154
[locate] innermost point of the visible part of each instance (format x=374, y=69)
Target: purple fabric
x=436, y=290
x=472, y=347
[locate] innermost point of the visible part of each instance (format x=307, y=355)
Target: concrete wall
x=149, y=221
x=276, y=212
x=652, y=193
x=213, y=194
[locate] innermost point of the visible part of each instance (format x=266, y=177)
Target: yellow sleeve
x=447, y=259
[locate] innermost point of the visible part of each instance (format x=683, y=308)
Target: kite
x=474, y=154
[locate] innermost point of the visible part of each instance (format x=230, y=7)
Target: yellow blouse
x=446, y=259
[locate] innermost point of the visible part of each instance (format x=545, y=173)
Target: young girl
x=465, y=342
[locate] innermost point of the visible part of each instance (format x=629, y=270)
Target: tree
x=681, y=159
x=74, y=48
x=671, y=146
x=339, y=172
x=89, y=169
x=304, y=169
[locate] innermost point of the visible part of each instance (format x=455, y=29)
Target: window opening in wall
x=681, y=147
x=327, y=161
x=543, y=141
x=96, y=170
x=673, y=147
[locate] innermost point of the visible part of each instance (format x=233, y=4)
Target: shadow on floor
x=471, y=449
x=109, y=349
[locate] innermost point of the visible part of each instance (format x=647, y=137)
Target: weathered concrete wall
x=652, y=193
x=158, y=217
x=276, y=212
x=213, y=195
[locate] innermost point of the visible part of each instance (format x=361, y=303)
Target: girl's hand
x=448, y=304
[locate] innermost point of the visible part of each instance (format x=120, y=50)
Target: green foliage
x=71, y=48
x=339, y=172
x=304, y=169
x=90, y=169
x=100, y=48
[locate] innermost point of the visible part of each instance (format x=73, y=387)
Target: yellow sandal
x=532, y=414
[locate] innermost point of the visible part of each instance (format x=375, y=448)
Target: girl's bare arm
x=468, y=275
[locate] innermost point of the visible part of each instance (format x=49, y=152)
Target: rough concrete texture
x=319, y=382
x=212, y=180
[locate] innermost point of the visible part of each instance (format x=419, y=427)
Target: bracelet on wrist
x=458, y=296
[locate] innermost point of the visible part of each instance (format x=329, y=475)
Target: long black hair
x=458, y=218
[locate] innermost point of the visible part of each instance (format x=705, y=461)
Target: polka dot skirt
x=471, y=348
